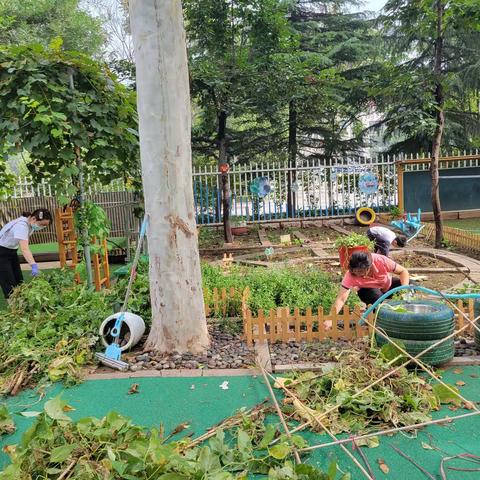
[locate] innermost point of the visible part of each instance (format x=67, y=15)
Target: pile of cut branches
x=402, y=398
x=49, y=331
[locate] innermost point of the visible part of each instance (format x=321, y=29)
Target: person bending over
x=370, y=274
x=384, y=239
x=17, y=233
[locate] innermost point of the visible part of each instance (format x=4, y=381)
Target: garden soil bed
x=280, y=256
x=226, y=351
x=314, y=234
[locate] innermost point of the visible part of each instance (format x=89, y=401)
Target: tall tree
x=318, y=83
x=226, y=39
x=178, y=316
x=432, y=45
x=41, y=21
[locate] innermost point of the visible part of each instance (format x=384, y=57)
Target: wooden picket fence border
x=455, y=236
x=284, y=325
x=225, y=302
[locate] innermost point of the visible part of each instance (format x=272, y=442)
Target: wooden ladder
x=67, y=239
x=67, y=247
x=101, y=268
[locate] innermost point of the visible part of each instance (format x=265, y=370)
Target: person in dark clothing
x=384, y=239
x=14, y=234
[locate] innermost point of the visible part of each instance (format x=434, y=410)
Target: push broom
x=113, y=352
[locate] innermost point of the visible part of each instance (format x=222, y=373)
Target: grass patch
x=468, y=224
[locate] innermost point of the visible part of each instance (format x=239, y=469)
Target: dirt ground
x=212, y=238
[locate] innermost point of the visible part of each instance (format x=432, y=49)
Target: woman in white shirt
x=14, y=234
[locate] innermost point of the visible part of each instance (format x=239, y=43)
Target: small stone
x=143, y=358
x=134, y=368
x=166, y=366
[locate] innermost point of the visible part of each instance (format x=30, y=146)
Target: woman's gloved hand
x=35, y=270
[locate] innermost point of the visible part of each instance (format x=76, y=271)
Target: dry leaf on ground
x=133, y=388
x=383, y=466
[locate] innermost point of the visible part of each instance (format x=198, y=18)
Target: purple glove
x=35, y=270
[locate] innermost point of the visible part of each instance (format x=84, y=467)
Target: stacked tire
x=476, y=314
x=424, y=324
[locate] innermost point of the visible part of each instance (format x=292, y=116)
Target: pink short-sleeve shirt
x=379, y=275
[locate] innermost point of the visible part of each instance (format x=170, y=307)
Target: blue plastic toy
x=410, y=225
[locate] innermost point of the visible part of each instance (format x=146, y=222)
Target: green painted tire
x=437, y=323
x=437, y=356
x=477, y=334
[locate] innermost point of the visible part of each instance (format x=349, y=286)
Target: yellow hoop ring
x=365, y=216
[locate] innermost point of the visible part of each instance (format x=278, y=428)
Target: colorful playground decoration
x=365, y=216
x=410, y=224
x=260, y=186
x=368, y=183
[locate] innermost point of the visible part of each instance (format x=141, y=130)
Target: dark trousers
x=370, y=295
x=10, y=272
x=381, y=246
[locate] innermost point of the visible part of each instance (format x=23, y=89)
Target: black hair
x=39, y=214
x=401, y=240
x=360, y=260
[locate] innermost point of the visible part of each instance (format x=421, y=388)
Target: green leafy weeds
x=49, y=331
x=114, y=448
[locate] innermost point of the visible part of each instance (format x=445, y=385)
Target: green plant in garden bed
x=300, y=286
x=49, y=331
x=113, y=447
x=401, y=399
x=354, y=240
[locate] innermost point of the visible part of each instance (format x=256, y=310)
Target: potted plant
x=239, y=225
x=354, y=242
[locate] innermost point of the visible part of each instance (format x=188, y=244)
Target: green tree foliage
x=41, y=21
x=227, y=41
x=58, y=106
x=337, y=54
x=405, y=87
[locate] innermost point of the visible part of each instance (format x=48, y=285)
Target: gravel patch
x=318, y=352
x=226, y=351
x=465, y=347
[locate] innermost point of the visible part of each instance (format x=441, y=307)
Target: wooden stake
x=390, y=430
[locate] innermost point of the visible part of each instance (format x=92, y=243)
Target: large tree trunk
x=440, y=123
x=292, y=157
x=225, y=182
x=178, y=316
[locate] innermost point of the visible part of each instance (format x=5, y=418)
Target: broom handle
x=133, y=272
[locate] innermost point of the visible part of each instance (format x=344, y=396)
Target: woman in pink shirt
x=370, y=275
